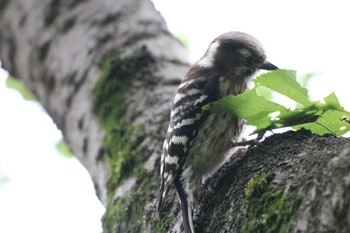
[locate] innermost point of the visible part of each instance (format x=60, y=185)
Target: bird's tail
x=161, y=199
x=166, y=184
x=186, y=207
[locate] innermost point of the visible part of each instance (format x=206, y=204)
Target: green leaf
x=264, y=91
x=320, y=117
x=253, y=108
x=329, y=122
x=333, y=102
x=248, y=105
x=284, y=82
x=304, y=80
x=13, y=83
x=64, y=150
x=245, y=105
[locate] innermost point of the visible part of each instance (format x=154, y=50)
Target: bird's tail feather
x=161, y=198
x=187, y=210
x=165, y=187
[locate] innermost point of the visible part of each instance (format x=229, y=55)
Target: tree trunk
x=106, y=71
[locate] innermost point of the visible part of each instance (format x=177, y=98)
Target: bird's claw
x=253, y=142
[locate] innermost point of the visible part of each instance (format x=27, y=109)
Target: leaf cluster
x=320, y=117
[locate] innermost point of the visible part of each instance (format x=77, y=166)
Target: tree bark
x=106, y=71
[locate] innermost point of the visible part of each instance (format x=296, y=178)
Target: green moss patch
x=110, y=108
x=269, y=209
x=257, y=186
x=127, y=214
x=113, y=113
x=162, y=225
x=113, y=109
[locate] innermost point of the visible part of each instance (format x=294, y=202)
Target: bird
x=197, y=141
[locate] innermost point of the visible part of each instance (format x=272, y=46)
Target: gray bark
x=106, y=71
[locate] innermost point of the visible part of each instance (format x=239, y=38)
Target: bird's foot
x=253, y=142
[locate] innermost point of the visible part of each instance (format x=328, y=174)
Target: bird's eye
x=250, y=60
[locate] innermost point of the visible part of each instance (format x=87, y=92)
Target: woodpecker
x=197, y=141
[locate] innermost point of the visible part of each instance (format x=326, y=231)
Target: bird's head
x=236, y=53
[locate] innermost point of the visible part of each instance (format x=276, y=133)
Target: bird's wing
x=186, y=117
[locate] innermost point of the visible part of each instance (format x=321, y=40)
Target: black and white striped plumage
x=197, y=141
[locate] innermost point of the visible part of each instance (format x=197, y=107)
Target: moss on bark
x=127, y=214
x=111, y=110
x=268, y=208
x=121, y=148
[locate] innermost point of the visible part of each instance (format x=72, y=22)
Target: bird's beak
x=268, y=66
